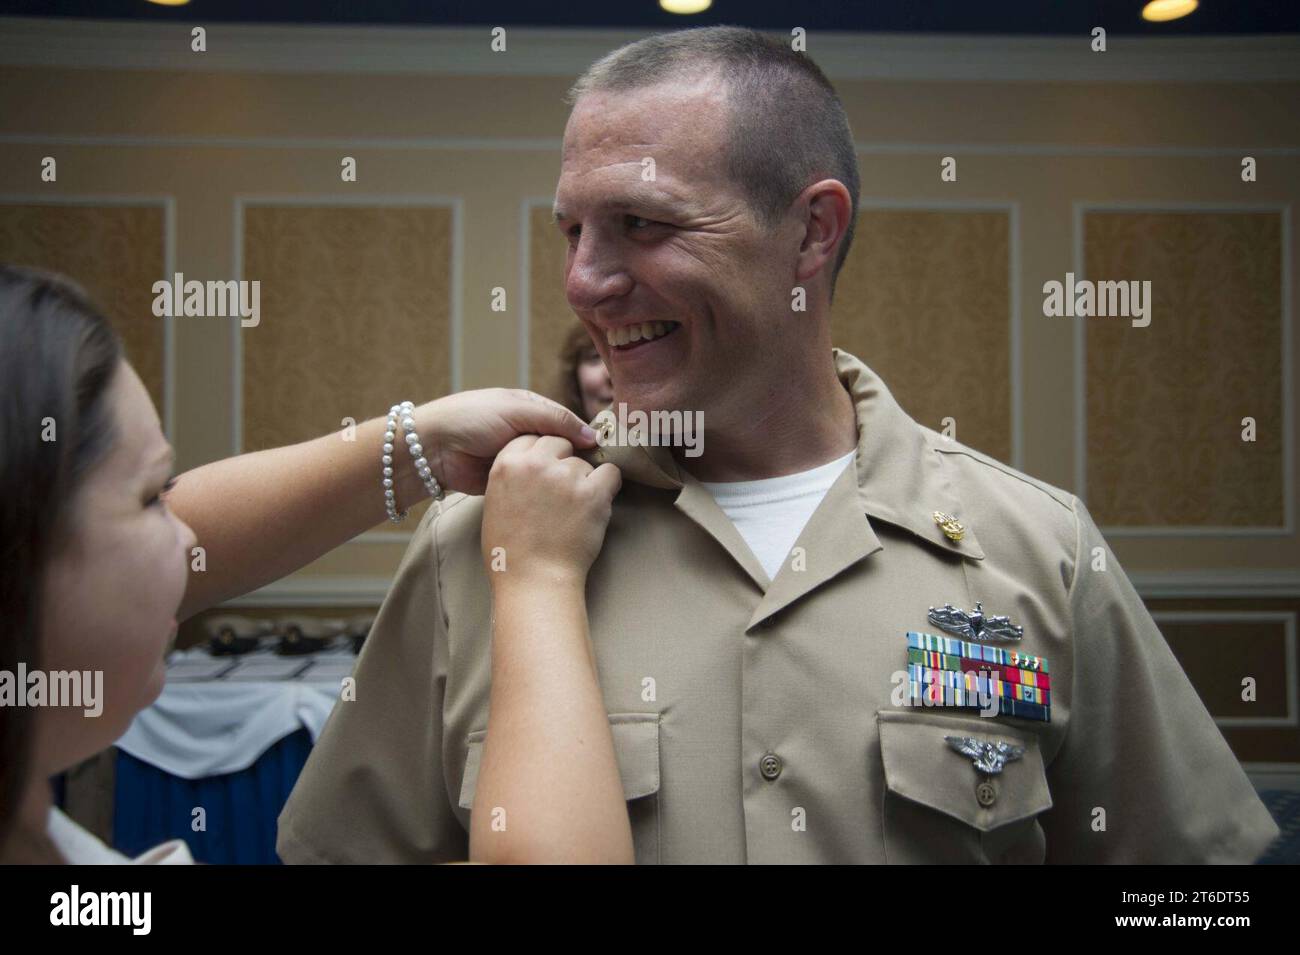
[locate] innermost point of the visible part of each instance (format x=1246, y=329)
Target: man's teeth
x=636, y=333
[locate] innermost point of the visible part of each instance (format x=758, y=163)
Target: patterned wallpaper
x=115, y=252
x=924, y=299
x=355, y=315
x=1165, y=402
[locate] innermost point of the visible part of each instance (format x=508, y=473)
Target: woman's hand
x=545, y=513
x=462, y=433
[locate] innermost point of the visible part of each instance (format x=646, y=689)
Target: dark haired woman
x=96, y=544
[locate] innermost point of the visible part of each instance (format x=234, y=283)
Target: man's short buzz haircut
x=787, y=127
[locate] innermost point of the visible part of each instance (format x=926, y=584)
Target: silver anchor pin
x=974, y=625
x=988, y=757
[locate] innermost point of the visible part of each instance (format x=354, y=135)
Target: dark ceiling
x=874, y=16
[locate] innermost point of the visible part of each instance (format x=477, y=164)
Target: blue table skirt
x=151, y=806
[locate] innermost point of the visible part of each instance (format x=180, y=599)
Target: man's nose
x=595, y=274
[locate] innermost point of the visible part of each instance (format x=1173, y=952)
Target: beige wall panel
x=924, y=298
x=1165, y=401
x=1218, y=654
x=116, y=252
x=354, y=316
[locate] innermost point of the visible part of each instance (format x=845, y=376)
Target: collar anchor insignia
x=952, y=528
x=974, y=625
x=988, y=757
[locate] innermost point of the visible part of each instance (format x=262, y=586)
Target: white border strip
x=1287, y=528
x=525, y=336
x=168, y=204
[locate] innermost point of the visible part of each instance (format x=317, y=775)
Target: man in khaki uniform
x=762, y=718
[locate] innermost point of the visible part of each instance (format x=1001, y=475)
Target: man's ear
x=829, y=212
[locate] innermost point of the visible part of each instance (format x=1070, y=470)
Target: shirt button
x=986, y=794
x=770, y=766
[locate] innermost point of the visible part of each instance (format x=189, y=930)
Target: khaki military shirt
x=759, y=720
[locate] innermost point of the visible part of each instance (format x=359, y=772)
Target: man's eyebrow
x=640, y=198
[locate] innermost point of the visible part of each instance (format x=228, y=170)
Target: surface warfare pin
x=974, y=625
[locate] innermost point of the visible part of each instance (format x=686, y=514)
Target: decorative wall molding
x=1292, y=678
x=525, y=311
x=553, y=144
x=1225, y=584
x=532, y=51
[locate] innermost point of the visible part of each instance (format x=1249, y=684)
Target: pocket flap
x=921, y=766
x=636, y=746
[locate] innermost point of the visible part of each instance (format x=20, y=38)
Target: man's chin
x=658, y=397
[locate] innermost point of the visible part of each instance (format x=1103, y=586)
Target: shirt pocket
x=636, y=747
x=932, y=810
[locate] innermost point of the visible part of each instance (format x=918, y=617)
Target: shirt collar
x=902, y=479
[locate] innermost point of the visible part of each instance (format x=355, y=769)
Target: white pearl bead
x=411, y=439
x=389, y=494
x=388, y=472
x=388, y=449
x=388, y=459
x=389, y=435
x=421, y=464
x=417, y=449
x=408, y=424
x=388, y=482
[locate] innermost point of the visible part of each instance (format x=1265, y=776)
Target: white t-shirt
x=80, y=847
x=771, y=513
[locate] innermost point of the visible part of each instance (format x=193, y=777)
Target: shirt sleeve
x=1142, y=756
x=373, y=790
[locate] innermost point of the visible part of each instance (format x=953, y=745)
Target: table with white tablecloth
x=213, y=760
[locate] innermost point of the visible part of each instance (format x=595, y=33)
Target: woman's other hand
x=545, y=513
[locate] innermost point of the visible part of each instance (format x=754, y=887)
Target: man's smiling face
x=682, y=253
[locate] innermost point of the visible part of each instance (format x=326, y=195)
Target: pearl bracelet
x=404, y=411
x=417, y=453
x=390, y=496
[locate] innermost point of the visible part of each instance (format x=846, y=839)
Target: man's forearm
x=263, y=515
x=548, y=770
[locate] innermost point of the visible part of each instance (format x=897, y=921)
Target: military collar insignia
x=952, y=528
